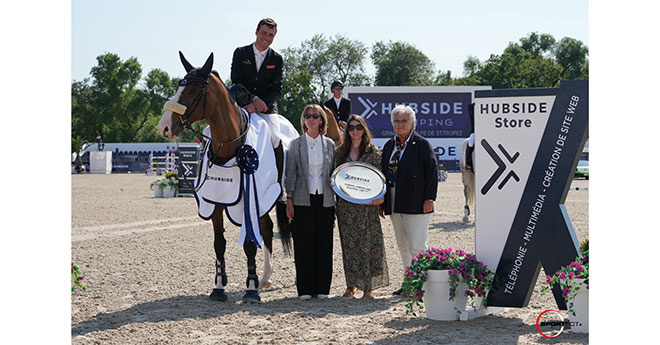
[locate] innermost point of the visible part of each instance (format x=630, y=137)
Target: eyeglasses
x=358, y=127
x=338, y=88
x=403, y=122
x=314, y=116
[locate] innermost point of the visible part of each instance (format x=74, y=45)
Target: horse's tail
x=284, y=226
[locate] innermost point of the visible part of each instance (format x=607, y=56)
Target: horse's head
x=189, y=102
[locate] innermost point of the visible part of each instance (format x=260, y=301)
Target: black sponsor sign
x=541, y=234
x=189, y=161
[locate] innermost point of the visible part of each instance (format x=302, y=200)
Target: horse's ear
x=206, y=69
x=185, y=62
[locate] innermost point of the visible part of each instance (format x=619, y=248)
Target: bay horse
x=467, y=176
x=334, y=131
x=201, y=95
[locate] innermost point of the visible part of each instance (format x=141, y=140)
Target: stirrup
x=252, y=275
x=220, y=272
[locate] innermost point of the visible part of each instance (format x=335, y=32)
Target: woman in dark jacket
x=411, y=170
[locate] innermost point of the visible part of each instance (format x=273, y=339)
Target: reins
x=185, y=122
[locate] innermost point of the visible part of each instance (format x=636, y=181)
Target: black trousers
x=312, y=245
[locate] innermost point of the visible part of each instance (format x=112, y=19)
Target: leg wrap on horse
x=252, y=276
x=220, y=272
x=250, y=249
x=220, y=244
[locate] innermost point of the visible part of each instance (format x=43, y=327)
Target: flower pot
x=580, y=321
x=168, y=192
x=158, y=193
x=436, y=297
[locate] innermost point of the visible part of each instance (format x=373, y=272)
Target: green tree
x=571, y=55
x=347, y=60
x=158, y=88
x=536, y=61
x=401, y=64
x=111, y=104
x=297, y=94
x=326, y=60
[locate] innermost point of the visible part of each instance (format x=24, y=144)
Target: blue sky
x=446, y=31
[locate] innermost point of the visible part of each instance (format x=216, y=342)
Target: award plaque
x=358, y=182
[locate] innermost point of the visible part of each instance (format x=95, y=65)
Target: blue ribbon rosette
x=248, y=161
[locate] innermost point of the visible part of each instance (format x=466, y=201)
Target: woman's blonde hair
x=324, y=118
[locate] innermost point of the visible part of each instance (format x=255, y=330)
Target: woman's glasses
x=353, y=127
x=314, y=116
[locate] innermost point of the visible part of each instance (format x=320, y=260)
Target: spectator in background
x=340, y=106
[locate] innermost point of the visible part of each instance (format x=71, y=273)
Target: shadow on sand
x=201, y=307
x=450, y=226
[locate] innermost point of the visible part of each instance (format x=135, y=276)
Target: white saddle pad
x=225, y=185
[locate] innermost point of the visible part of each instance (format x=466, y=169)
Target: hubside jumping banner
x=527, y=145
x=441, y=113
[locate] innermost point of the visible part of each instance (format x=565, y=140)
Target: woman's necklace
x=312, y=146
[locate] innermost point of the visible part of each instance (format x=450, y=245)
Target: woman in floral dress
x=361, y=235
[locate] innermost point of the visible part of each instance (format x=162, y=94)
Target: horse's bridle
x=187, y=111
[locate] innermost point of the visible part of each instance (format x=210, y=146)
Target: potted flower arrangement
x=459, y=267
x=76, y=278
x=573, y=280
x=172, y=181
x=166, y=187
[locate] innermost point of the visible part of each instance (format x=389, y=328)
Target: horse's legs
x=251, y=295
x=219, y=244
x=466, y=193
x=267, y=236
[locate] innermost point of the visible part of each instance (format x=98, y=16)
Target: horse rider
x=340, y=106
x=470, y=146
x=258, y=68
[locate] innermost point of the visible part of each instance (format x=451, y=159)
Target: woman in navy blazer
x=411, y=169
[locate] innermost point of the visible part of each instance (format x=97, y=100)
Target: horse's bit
x=186, y=114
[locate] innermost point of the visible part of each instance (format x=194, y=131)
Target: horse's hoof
x=251, y=296
x=265, y=285
x=218, y=295
x=466, y=220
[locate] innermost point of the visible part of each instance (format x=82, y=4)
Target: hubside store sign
x=441, y=112
x=527, y=145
